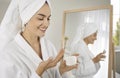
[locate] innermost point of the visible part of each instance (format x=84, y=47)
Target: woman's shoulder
x=80, y=48
x=7, y=54
x=9, y=49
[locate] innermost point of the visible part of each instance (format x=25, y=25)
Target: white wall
x=54, y=32
x=3, y=6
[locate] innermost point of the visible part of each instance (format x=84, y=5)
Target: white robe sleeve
x=8, y=70
x=86, y=66
x=34, y=75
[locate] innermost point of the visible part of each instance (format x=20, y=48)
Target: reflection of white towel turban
x=89, y=29
x=19, y=13
x=84, y=31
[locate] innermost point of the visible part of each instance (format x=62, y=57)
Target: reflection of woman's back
x=88, y=67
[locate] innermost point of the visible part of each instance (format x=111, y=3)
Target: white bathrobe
x=86, y=67
x=19, y=60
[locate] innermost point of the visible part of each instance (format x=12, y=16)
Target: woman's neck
x=30, y=37
x=33, y=41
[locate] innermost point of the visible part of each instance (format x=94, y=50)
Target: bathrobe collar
x=29, y=51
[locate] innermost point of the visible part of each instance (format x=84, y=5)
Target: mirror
x=102, y=16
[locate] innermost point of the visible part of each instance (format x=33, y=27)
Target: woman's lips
x=43, y=29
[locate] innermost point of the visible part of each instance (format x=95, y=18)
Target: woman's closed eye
x=42, y=18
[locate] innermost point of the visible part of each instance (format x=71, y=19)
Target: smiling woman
x=36, y=27
x=24, y=50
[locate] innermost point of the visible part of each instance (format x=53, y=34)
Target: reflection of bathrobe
x=87, y=68
x=19, y=60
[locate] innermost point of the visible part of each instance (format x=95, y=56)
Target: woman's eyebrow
x=43, y=15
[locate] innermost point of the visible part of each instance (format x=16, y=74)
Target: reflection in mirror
x=82, y=21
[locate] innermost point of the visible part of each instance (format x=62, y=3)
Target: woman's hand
x=43, y=66
x=56, y=60
x=64, y=68
x=99, y=57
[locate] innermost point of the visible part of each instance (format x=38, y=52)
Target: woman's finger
x=49, y=60
x=75, y=54
x=103, y=56
x=45, y=63
x=59, y=56
x=71, y=67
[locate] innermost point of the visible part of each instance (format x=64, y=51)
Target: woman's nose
x=46, y=22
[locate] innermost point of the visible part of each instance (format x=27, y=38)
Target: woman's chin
x=42, y=35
